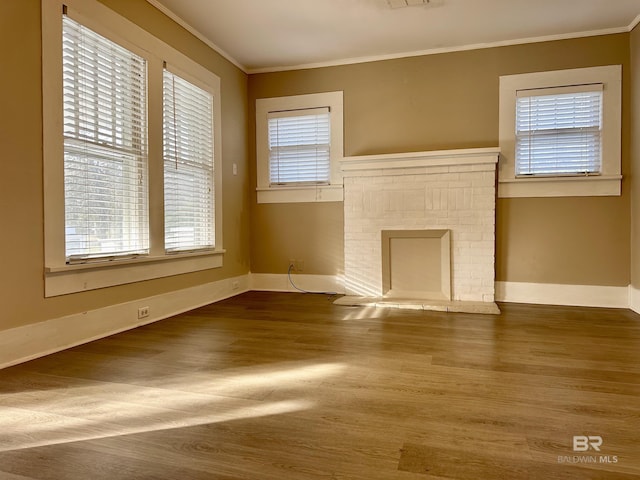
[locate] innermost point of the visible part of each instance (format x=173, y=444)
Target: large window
x=560, y=133
x=188, y=165
x=105, y=146
x=131, y=153
x=299, y=147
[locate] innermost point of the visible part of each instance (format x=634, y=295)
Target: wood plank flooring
x=290, y=386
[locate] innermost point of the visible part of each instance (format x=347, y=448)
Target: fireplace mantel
x=360, y=164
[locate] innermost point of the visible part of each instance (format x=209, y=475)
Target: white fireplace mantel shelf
x=436, y=158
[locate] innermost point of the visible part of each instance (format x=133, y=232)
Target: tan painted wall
x=21, y=212
x=635, y=158
x=451, y=101
x=422, y=103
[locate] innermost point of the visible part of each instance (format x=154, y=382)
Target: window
x=188, y=165
x=131, y=153
x=105, y=146
x=299, y=147
x=299, y=142
x=560, y=133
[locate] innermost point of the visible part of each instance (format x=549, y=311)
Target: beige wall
x=635, y=158
x=291, y=231
x=420, y=103
x=21, y=243
x=451, y=101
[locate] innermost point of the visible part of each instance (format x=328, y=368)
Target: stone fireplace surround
x=451, y=190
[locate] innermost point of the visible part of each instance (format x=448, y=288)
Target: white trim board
x=439, y=51
x=634, y=298
x=558, y=294
x=21, y=344
x=510, y=292
x=275, y=282
x=27, y=342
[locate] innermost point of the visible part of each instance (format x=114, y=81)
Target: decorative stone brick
x=459, y=197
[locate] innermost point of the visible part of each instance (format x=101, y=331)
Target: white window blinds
x=559, y=131
x=188, y=165
x=105, y=146
x=299, y=147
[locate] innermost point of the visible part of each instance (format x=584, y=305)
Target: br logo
x=582, y=443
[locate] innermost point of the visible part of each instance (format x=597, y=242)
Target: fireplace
x=416, y=264
x=421, y=226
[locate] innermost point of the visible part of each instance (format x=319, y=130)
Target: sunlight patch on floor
x=101, y=409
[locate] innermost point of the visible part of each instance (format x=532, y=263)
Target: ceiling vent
x=414, y=3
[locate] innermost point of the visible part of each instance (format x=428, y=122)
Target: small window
x=188, y=165
x=559, y=131
x=299, y=147
x=105, y=146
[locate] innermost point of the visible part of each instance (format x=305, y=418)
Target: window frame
x=332, y=192
x=60, y=277
x=608, y=181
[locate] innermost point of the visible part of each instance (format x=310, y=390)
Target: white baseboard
x=25, y=343
x=273, y=282
x=557, y=294
x=634, y=299
x=515, y=292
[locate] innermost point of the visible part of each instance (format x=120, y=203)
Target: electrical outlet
x=299, y=265
x=143, y=312
x=235, y=285
x=292, y=265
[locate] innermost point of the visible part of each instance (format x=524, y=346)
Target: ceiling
x=270, y=35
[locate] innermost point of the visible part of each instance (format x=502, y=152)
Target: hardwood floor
x=290, y=386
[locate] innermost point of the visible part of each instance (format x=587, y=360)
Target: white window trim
x=608, y=183
x=60, y=277
x=300, y=193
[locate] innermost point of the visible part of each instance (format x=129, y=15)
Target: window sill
x=592, y=186
x=65, y=279
x=320, y=193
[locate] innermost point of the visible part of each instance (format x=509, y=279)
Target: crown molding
x=169, y=13
x=393, y=56
x=437, y=51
